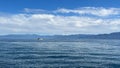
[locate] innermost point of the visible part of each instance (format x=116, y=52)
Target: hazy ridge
x=76, y=37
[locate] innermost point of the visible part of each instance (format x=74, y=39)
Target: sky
x=56, y=17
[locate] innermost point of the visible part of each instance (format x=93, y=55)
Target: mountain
x=22, y=37
x=115, y=35
x=35, y=37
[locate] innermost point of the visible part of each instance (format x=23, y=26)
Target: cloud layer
x=79, y=21
x=92, y=11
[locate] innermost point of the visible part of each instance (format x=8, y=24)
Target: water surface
x=82, y=54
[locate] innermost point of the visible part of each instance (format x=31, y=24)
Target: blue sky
x=59, y=16
x=14, y=6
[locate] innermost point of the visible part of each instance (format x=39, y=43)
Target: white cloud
x=57, y=24
x=92, y=11
x=34, y=10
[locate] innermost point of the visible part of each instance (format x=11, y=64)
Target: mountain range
x=76, y=37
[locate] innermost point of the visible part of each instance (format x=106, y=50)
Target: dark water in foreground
x=83, y=54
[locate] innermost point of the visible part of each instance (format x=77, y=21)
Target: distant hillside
x=115, y=35
x=22, y=37
x=34, y=37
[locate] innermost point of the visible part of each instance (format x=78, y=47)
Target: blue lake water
x=82, y=54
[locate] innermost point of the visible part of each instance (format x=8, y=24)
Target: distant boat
x=39, y=38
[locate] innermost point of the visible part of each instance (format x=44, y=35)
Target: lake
x=82, y=54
